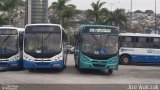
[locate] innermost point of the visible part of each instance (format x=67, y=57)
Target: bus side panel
x=11, y=64
x=144, y=58
x=141, y=54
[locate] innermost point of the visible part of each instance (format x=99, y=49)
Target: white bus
x=10, y=51
x=44, y=46
x=139, y=48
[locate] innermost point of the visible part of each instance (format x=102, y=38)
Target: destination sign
x=99, y=30
x=43, y=29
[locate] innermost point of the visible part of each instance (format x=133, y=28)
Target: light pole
x=155, y=14
x=131, y=15
x=113, y=3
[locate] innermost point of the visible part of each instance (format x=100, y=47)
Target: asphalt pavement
x=72, y=79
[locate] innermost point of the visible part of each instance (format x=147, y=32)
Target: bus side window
x=155, y=43
x=128, y=41
x=143, y=42
x=136, y=42
x=120, y=41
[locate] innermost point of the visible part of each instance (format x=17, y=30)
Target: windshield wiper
x=6, y=38
x=107, y=38
x=94, y=37
x=47, y=37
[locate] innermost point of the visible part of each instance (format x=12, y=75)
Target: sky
x=113, y=4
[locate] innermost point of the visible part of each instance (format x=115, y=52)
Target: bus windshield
x=42, y=40
x=43, y=43
x=8, y=44
x=100, y=44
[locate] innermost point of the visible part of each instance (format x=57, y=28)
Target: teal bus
x=96, y=47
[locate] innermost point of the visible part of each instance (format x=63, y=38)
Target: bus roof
x=8, y=28
x=47, y=24
x=139, y=35
x=98, y=26
x=20, y=29
x=44, y=24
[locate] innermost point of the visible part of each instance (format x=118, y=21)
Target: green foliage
x=97, y=13
x=117, y=18
x=70, y=37
x=8, y=6
x=63, y=10
x=138, y=11
x=149, y=12
x=3, y=19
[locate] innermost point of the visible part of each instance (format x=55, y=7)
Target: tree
x=3, y=19
x=63, y=10
x=138, y=11
x=117, y=18
x=8, y=6
x=97, y=12
x=149, y=12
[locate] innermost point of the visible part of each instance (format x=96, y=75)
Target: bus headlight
x=57, y=57
x=85, y=59
x=27, y=57
x=113, y=61
x=14, y=58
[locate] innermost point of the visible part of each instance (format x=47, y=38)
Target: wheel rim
x=126, y=60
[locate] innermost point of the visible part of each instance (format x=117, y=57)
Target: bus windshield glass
x=43, y=39
x=8, y=44
x=100, y=44
x=8, y=32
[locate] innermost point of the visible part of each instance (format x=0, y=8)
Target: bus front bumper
x=54, y=64
x=11, y=64
x=88, y=63
x=98, y=66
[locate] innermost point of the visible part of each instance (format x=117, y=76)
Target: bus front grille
x=98, y=65
x=42, y=60
x=42, y=64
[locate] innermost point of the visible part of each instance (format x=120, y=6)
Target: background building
x=36, y=11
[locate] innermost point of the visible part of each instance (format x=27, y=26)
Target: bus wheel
x=78, y=67
x=125, y=60
x=31, y=69
x=110, y=71
x=60, y=70
x=75, y=66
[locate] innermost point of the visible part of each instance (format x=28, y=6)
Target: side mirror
x=64, y=36
x=80, y=39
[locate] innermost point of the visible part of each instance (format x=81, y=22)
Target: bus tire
x=75, y=66
x=75, y=60
x=78, y=67
x=60, y=70
x=110, y=71
x=31, y=69
x=65, y=63
x=125, y=60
